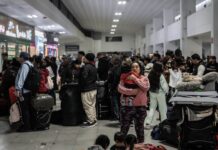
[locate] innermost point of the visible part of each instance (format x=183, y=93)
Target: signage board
x=13, y=28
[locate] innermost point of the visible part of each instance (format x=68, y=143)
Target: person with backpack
x=24, y=91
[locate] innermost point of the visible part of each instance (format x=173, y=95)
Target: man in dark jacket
x=103, y=67
x=88, y=78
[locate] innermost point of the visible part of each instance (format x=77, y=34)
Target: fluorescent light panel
x=116, y=20
x=118, y=13
x=114, y=26
x=113, y=30
x=121, y=2
x=62, y=32
x=32, y=16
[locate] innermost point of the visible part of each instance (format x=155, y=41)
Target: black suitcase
x=42, y=120
x=42, y=109
x=72, y=112
x=199, y=134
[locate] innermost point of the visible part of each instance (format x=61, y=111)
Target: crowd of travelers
x=135, y=84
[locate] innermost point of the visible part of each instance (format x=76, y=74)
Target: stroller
x=197, y=127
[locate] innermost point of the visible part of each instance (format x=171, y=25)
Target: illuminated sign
x=2, y=28
x=22, y=34
x=16, y=29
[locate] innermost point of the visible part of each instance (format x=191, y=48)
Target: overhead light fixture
x=62, y=32
x=113, y=30
x=116, y=20
x=29, y=16
x=32, y=16
x=114, y=26
x=118, y=13
x=121, y=2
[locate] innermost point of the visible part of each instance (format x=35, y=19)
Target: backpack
x=155, y=133
x=32, y=80
x=169, y=132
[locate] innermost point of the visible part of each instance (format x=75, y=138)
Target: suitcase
x=72, y=112
x=42, y=109
x=196, y=135
x=42, y=120
x=196, y=127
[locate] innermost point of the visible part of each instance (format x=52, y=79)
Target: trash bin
x=72, y=112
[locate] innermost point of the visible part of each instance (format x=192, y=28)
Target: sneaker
x=89, y=125
x=148, y=127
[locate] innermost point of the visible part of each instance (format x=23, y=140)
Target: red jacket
x=43, y=81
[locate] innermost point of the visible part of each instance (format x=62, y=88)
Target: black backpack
x=32, y=80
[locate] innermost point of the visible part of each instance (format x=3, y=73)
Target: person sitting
x=101, y=143
x=130, y=141
x=119, y=141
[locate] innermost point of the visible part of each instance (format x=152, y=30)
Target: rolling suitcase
x=72, y=112
x=196, y=127
x=42, y=109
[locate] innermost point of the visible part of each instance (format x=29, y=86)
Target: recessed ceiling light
x=112, y=32
x=34, y=16
x=113, y=29
x=118, y=14
x=62, y=32
x=29, y=16
x=116, y=20
x=121, y=2
x=114, y=26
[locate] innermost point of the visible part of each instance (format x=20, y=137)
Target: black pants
x=138, y=114
x=27, y=112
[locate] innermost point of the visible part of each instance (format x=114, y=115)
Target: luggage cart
x=197, y=127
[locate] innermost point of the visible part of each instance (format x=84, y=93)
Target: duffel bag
x=42, y=102
x=169, y=132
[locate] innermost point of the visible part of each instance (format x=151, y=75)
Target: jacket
x=43, y=81
x=140, y=98
x=21, y=76
x=88, y=78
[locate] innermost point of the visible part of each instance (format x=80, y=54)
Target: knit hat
x=24, y=55
x=90, y=57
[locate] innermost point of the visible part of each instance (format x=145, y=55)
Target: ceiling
x=19, y=9
x=98, y=15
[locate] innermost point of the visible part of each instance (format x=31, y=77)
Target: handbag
x=15, y=118
x=42, y=102
x=49, y=84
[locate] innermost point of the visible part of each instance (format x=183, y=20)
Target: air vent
x=113, y=38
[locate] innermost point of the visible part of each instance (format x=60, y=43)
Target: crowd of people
x=133, y=82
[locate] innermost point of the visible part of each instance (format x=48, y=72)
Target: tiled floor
x=61, y=138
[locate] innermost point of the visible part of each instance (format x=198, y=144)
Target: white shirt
x=175, y=77
x=201, y=70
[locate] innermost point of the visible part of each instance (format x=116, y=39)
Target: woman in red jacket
x=133, y=86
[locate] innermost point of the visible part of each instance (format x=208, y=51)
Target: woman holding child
x=133, y=87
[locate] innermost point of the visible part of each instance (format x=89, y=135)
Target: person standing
x=158, y=90
x=199, y=68
x=133, y=87
x=23, y=93
x=87, y=82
